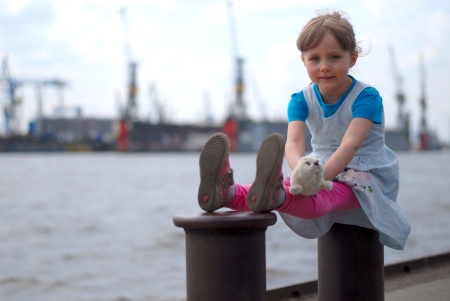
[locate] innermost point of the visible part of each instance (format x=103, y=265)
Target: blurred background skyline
x=185, y=50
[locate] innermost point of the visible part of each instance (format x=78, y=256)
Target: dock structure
x=225, y=260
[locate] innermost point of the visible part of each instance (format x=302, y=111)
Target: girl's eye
x=314, y=58
x=335, y=57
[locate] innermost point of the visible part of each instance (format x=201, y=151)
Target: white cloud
x=14, y=7
x=375, y=6
x=185, y=48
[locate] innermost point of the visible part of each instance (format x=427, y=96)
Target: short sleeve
x=297, y=108
x=369, y=105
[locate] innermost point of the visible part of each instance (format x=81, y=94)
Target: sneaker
x=216, y=176
x=263, y=194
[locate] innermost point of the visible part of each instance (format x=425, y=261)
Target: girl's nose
x=324, y=66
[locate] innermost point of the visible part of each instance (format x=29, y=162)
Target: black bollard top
x=225, y=219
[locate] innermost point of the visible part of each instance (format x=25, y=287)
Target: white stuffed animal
x=307, y=177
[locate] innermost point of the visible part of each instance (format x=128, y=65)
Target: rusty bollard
x=225, y=255
x=351, y=264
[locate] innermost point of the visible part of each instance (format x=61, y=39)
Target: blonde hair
x=333, y=22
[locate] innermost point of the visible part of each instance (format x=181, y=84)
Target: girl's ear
x=303, y=59
x=353, y=59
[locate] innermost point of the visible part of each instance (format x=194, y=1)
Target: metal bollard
x=351, y=265
x=225, y=255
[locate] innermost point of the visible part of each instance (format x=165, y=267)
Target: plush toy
x=307, y=177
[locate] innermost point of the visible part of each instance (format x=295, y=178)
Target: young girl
x=345, y=118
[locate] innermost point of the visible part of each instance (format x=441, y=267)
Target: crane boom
x=11, y=118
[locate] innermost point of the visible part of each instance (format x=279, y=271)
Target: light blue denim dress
x=373, y=174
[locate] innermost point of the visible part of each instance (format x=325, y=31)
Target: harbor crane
x=238, y=110
x=423, y=99
x=428, y=139
x=402, y=118
x=129, y=113
x=11, y=85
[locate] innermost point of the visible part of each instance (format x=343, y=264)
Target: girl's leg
x=339, y=198
x=238, y=202
x=217, y=188
x=269, y=191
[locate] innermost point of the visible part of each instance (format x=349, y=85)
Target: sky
x=184, y=51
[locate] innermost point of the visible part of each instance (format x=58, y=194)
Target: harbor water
x=98, y=226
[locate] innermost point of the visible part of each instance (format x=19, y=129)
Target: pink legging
x=339, y=198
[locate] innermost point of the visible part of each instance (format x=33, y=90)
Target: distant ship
x=245, y=136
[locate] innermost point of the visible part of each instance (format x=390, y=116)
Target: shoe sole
x=212, y=160
x=270, y=156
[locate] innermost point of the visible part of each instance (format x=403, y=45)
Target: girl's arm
x=353, y=138
x=295, y=144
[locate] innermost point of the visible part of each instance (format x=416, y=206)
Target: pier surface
x=431, y=283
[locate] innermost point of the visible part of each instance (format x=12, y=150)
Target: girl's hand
x=353, y=138
x=295, y=144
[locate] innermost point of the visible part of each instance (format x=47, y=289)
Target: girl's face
x=327, y=65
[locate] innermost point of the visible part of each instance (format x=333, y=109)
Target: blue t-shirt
x=368, y=104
